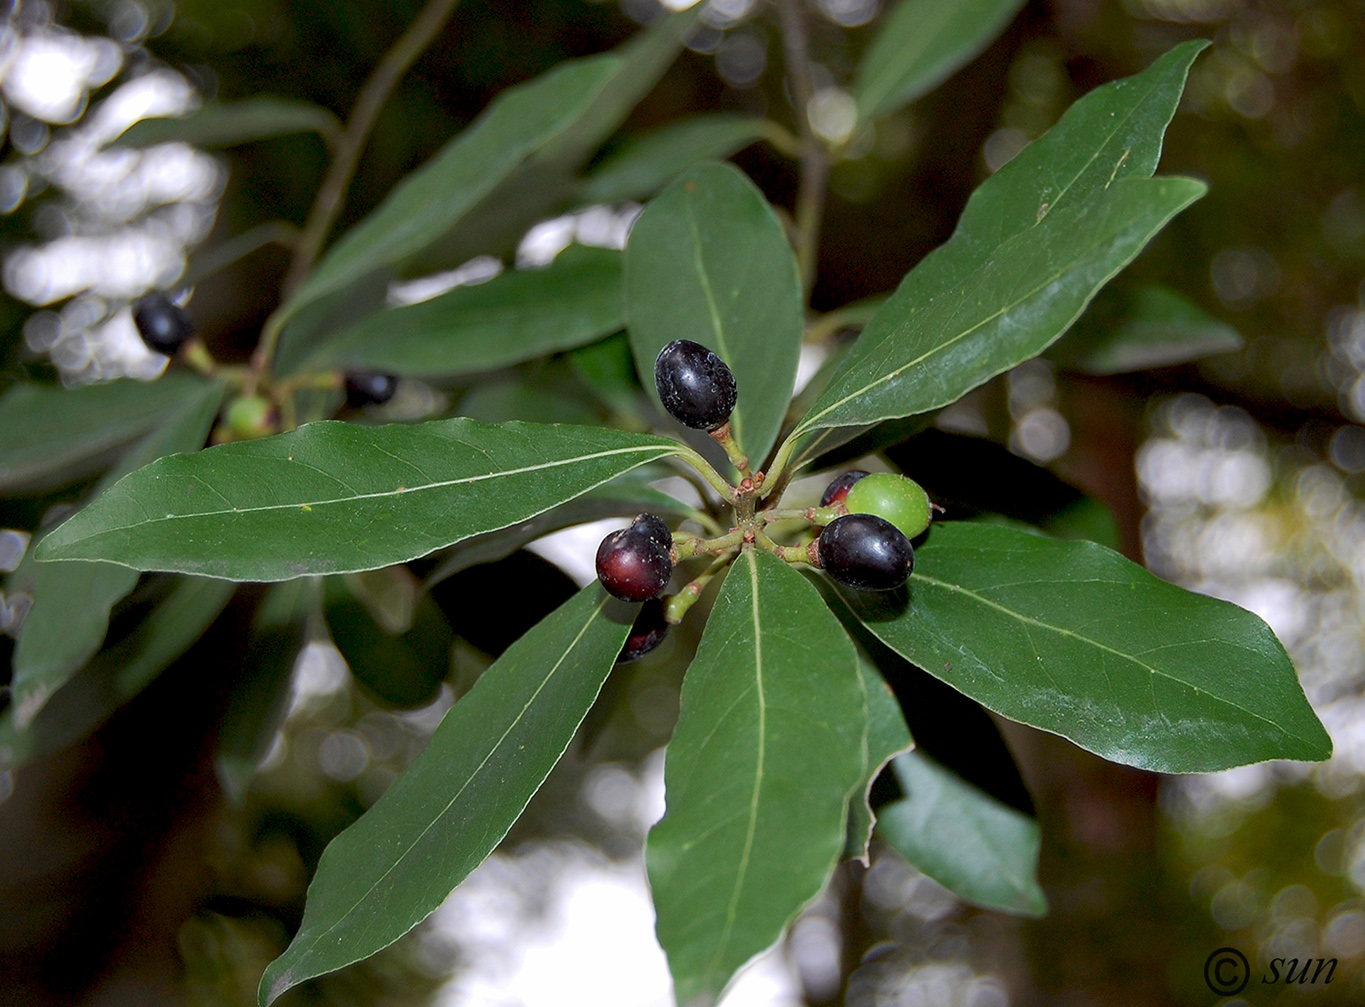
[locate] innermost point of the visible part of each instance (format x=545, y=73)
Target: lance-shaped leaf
x=71, y=602
x=1035, y=243
x=229, y=123
x=1073, y=638
x=431, y=200
x=50, y=436
x=645, y=164
x=708, y=261
x=920, y=44
x=978, y=848
x=767, y=751
x=1132, y=330
x=516, y=316
x=446, y=813
x=338, y=498
x=118, y=673
x=887, y=737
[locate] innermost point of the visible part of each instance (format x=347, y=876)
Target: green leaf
x=887, y=737
x=401, y=665
x=978, y=848
x=447, y=812
x=708, y=261
x=514, y=317
x=1133, y=330
x=229, y=123
x=433, y=199
x=279, y=633
x=1074, y=639
x=51, y=436
x=71, y=602
x=766, y=754
x=607, y=367
x=645, y=164
x=920, y=44
x=338, y=498
x=1035, y=243
x=117, y=674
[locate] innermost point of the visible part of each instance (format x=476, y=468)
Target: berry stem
x=805, y=553
x=676, y=607
x=819, y=516
x=686, y=546
x=724, y=436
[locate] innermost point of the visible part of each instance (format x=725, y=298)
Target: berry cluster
x=868, y=519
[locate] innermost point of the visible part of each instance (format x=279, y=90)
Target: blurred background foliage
x=129, y=876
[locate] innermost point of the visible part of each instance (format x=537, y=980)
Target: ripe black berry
x=694, y=385
x=162, y=324
x=653, y=526
x=646, y=633
x=634, y=564
x=366, y=387
x=838, y=489
x=866, y=552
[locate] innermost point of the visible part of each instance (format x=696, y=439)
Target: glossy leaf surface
x=1133, y=330
x=336, y=498
x=228, y=123
x=766, y=754
x=1035, y=243
x=708, y=261
x=920, y=44
x=1074, y=639
x=977, y=847
x=117, y=674
x=71, y=602
x=432, y=199
x=516, y=316
x=645, y=164
x=447, y=812
x=50, y=436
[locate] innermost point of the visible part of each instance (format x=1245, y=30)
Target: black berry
x=646, y=633
x=653, y=526
x=364, y=388
x=866, y=552
x=838, y=489
x=694, y=385
x=162, y=324
x=633, y=563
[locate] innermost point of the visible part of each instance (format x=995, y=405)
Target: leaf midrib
x=493, y=749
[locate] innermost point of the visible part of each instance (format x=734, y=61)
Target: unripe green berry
x=894, y=498
x=250, y=416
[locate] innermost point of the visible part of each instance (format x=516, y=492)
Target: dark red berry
x=653, y=526
x=633, y=564
x=866, y=552
x=694, y=385
x=364, y=388
x=838, y=489
x=162, y=324
x=646, y=633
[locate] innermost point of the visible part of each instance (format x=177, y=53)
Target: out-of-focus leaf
x=708, y=261
x=516, y=316
x=278, y=634
x=1074, y=639
x=920, y=44
x=887, y=737
x=402, y=667
x=1036, y=242
x=71, y=602
x=645, y=164
x=978, y=848
x=431, y=200
x=116, y=675
x=1133, y=330
x=446, y=813
x=51, y=436
x=766, y=754
x=607, y=368
x=529, y=399
x=229, y=123
x=338, y=498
